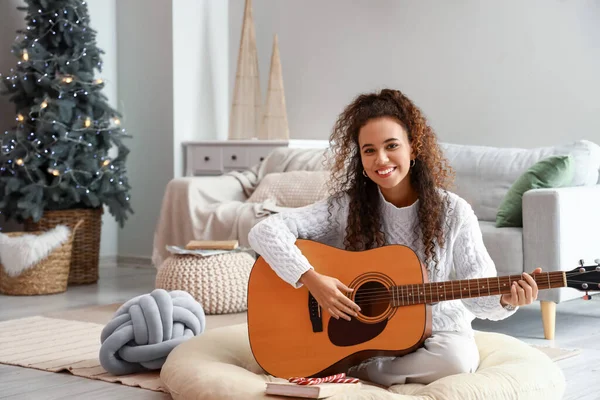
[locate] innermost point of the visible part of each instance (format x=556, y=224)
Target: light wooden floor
x=577, y=326
x=115, y=285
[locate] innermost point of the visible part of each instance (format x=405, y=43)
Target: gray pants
x=442, y=354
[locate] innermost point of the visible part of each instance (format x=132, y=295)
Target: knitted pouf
x=219, y=283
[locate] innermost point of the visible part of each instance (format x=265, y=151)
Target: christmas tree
x=56, y=155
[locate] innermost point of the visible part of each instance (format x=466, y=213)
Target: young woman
x=390, y=186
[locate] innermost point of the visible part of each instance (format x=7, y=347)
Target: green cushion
x=550, y=172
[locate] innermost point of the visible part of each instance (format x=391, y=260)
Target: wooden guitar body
x=290, y=336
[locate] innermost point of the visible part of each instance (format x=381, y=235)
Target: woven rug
x=69, y=344
x=55, y=345
x=70, y=341
x=103, y=313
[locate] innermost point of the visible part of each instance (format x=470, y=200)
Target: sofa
x=558, y=223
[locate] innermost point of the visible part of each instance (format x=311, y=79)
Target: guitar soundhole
x=373, y=299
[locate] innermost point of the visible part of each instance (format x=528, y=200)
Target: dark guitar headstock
x=585, y=278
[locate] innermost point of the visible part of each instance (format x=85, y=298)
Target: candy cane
x=338, y=378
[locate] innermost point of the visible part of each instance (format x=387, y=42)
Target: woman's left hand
x=522, y=293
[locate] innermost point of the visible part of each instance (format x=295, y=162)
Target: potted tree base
x=85, y=255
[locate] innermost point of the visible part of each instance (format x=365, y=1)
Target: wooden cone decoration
x=246, y=108
x=275, y=122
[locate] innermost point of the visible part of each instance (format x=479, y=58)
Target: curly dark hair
x=430, y=172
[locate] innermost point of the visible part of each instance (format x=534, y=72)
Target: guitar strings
x=427, y=297
x=372, y=296
x=557, y=276
x=466, y=284
x=427, y=291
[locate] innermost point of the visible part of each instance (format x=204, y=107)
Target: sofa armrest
x=183, y=196
x=560, y=228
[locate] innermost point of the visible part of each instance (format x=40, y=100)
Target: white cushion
x=219, y=365
x=505, y=246
x=484, y=174
x=292, y=188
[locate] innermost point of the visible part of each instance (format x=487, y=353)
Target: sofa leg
x=549, y=318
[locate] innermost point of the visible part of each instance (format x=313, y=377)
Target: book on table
x=212, y=245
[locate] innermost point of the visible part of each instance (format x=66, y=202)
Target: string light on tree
x=64, y=129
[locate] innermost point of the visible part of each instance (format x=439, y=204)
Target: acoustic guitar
x=290, y=336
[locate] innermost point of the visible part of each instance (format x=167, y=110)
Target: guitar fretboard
x=451, y=290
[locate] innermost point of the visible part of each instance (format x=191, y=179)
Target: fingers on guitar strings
x=522, y=295
x=350, y=304
x=343, y=310
x=333, y=313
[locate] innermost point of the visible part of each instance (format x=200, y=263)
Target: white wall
x=145, y=95
x=173, y=66
x=200, y=73
x=507, y=73
x=103, y=20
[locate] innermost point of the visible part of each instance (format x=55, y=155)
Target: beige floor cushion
x=219, y=283
x=219, y=365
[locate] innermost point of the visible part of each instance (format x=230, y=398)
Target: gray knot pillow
x=145, y=329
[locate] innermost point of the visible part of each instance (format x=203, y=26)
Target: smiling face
x=386, y=153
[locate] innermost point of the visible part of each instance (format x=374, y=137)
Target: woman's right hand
x=329, y=293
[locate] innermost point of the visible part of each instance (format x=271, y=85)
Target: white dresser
x=215, y=157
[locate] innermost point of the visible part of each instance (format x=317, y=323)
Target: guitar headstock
x=585, y=278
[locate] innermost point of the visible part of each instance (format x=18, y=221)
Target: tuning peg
x=587, y=296
x=597, y=261
x=581, y=262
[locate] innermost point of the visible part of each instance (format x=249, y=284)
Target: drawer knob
x=234, y=157
x=207, y=158
x=262, y=159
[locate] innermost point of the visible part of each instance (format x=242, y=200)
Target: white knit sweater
x=463, y=256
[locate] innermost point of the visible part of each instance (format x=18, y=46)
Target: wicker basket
x=48, y=276
x=86, y=244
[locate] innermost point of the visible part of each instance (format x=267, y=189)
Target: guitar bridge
x=314, y=312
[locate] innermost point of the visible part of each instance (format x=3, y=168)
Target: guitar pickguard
x=353, y=332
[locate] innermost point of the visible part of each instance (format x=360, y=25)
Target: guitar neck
x=435, y=292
